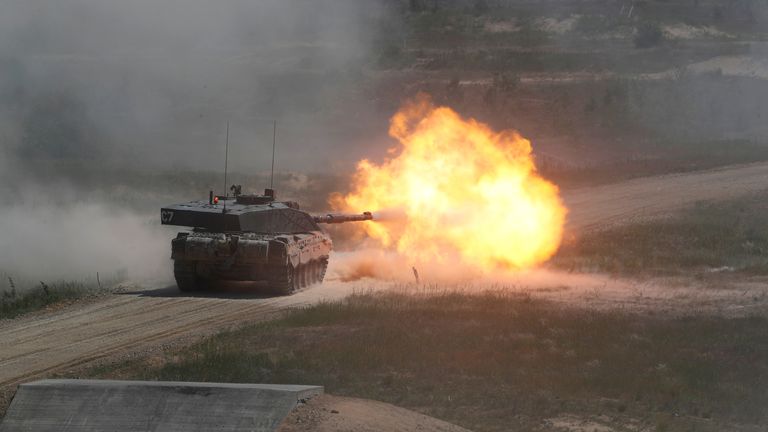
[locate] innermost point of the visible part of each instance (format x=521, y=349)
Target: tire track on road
x=232, y=317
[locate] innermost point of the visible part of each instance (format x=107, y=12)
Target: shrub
x=648, y=35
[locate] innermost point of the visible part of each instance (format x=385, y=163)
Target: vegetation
x=19, y=296
x=648, y=35
x=496, y=361
x=680, y=157
x=725, y=236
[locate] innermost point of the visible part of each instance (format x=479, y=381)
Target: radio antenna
x=226, y=159
x=274, y=140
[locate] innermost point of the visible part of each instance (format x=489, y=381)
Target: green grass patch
x=19, y=296
x=727, y=236
x=495, y=361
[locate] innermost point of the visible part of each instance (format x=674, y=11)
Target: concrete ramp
x=128, y=406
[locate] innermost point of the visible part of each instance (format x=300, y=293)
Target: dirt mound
x=328, y=413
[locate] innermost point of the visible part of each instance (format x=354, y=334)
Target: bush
x=648, y=35
x=18, y=296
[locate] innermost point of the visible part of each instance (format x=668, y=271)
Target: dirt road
x=39, y=345
x=649, y=197
x=133, y=320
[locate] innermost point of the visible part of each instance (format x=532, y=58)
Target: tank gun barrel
x=333, y=218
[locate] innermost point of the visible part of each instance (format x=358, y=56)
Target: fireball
x=455, y=188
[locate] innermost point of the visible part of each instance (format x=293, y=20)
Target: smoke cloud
x=154, y=82
x=98, y=97
x=50, y=242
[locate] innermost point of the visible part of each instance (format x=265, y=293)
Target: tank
x=250, y=238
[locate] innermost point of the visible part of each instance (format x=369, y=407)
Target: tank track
x=287, y=280
x=283, y=280
x=187, y=278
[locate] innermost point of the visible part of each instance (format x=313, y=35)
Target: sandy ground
x=649, y=197
x=672, y=297
x=133, y=322
x=328, y=413
x=40, y=344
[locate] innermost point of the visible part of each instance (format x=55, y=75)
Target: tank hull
x=286, y=262
x=250, y=238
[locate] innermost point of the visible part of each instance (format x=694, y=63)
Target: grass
x=18, y=296
x=707, y=156
x=496, y=361
x=730, y=235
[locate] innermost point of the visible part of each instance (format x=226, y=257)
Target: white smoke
x=40, y=241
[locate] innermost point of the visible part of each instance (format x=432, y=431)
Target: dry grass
x=19, y=296
x=497, y=361
x=725, y=236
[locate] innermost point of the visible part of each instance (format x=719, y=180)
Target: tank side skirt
x=287, y=262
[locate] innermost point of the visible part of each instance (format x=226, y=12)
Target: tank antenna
x=226, y=159
x=274, y=139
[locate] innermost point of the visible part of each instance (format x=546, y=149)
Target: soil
x=329, y=413
x=653, y=197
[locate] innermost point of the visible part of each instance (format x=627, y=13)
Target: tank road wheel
x=313, y=272
x=298, y=281
x=323, y=268
x=284, y=279
x=186, y=278
x=297, y=277
x=303, y=275
x=309, y=273
x=320, y=267
x=317, y=270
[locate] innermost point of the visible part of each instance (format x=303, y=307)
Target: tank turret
x=248, y=237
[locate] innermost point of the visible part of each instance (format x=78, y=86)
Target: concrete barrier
x=128, y=406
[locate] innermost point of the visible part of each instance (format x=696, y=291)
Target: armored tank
x=248, y=237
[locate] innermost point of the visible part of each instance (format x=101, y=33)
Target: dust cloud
x=104, y=103
x=152, y=83
x=371, y=263
x=51, y=243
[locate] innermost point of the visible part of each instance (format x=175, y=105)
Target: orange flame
x=460, y=190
